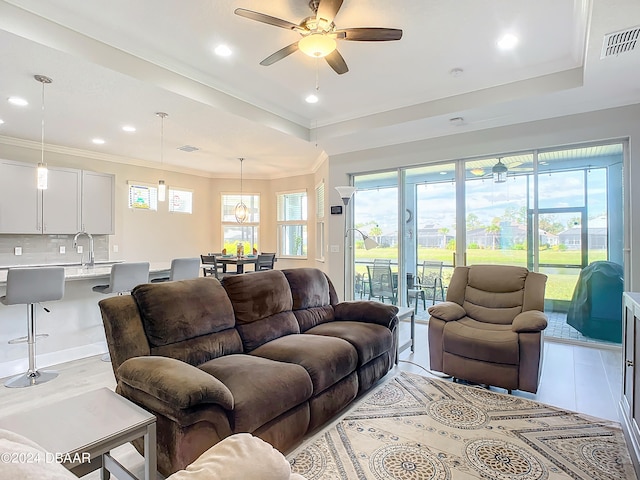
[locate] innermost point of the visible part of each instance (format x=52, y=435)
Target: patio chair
x=428, y=281
x=381, y=283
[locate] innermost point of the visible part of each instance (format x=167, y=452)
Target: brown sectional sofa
x=271, y=353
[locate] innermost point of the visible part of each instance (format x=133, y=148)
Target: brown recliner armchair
x=489, y=331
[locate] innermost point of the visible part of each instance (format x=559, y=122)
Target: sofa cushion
x=481, y=341
x=175, y=311
x=262, y=305
x=326, y=360
x=262, y=389
x=369, y=339
x=311, y=293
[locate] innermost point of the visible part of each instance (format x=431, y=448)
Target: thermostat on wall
x=336, y=210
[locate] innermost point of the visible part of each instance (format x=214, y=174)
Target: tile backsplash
x=45, y=249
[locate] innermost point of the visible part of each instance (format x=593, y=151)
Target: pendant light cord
x=42, y=129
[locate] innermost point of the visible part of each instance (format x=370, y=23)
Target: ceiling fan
x=319, y=34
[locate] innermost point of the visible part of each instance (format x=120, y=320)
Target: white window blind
x=292, y=224
x=320, y=200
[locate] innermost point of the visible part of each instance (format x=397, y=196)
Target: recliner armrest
x=447, y=311
x=529, y=321
x=366, y=311
x=174, y=382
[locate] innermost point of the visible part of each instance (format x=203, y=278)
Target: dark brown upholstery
x=211, y=359
x=489, y=329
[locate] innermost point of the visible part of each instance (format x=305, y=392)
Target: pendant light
x=499, y=171
x=42, y=172
x=162, y=188
x=241, y=210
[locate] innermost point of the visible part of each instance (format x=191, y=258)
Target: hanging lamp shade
x=499, y=171
x=317, y=45
x=42, y=172
x=241, y=210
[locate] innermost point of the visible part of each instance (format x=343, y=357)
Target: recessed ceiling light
x=312, y=98
x=98, y=141
x=1, y=121
x=129, y=128
x=19, y=102
x=507, y=42
x=222, y=50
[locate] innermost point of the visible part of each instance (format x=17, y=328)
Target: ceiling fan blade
x=268, y=19
x=369, y=34
x=335, y=61
x=280, y=54
x=328, y=9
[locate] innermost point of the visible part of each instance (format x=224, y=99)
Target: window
x=292, y=224
x=180, y=201
x=143, y=197
x=320, y=246
x=234, y=232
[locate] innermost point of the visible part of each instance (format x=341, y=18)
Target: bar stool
x=181, y=269
x=123, y=278
x=28, y=286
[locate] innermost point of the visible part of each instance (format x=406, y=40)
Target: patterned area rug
x=414, y=427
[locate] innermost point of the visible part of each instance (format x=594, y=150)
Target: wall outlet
x=79, y=249
x=335, y=248
x=17, y=251
x=115, y=249
x=63, y=249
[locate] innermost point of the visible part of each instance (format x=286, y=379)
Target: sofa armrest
x=366, y=311
x=174, y=382
x=529, y=321
x=447, y=311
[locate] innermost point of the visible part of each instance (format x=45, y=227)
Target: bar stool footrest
x=25, y=339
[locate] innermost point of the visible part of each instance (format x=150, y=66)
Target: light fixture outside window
x=162, y=189
x=499, y=171
x=241, y=210
x=41, y=171
x=317, y=45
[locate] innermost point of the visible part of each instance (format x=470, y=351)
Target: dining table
x=239, y=262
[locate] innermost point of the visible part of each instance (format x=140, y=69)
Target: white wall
x=618, y=123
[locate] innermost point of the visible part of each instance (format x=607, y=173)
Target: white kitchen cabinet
x=20, y=200
x=24, y=209
x=98, y=203
x=61, y=201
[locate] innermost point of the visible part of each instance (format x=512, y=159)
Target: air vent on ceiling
x=620, y=42
x=188, y=148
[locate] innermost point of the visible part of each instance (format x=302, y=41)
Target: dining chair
x=211, y=266
x=265, y=261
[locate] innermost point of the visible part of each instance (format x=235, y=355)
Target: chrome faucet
x=91, y=260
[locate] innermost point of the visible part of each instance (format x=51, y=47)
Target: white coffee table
x=81, y=431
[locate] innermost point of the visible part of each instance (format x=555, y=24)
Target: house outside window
x=292, y=224
x=246, y=233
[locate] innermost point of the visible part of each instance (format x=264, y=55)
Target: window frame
x=283, y=225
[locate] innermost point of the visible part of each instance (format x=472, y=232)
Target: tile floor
x=582, y=378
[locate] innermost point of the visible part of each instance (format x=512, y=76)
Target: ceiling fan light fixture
x=317, y=45
x=499, y=171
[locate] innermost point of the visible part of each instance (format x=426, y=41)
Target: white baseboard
x=16, y=367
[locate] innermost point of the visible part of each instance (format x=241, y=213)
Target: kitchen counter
x=74, y=323
x=99, y=270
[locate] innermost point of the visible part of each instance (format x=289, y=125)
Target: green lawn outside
x=560, y=282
